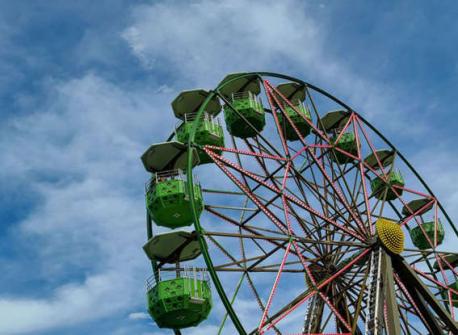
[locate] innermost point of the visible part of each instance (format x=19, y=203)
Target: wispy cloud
x=205, y=40
x=138, y=316
x=77, y=148
x=80, y=154
x=70, y=305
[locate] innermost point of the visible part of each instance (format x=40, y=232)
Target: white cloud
x=79, y=154
x=200, y=42
x=138, y=316
x=71, y=304
x=205, y=40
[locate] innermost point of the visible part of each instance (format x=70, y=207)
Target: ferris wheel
x=296, y=216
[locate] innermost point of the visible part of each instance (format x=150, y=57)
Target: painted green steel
x=348, y=143
x=200, y=232
x=383, y=190
x=237, y=288
x=454, y=295
x=419, y=239
x=208, y=132
x=298, y=120
x=179, y=303
x=169, y=203
x=247, y=107
x=154, y=265
x=149, y=234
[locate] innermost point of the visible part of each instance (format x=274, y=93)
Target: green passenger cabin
x=295, y=94
x=292, y=91
x=181, y=302
x=380, y=159
x=242, y=107
x=382, y=189
x=298, y=116
x=417, y=206
x=168, y=201
x=419, y=238
x=208, y=132
x=347, y=143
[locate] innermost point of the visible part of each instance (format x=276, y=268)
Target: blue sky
x=86, y=87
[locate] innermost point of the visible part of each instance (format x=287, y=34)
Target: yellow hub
x=391, y=235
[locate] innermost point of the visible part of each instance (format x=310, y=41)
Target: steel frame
x=324, y=243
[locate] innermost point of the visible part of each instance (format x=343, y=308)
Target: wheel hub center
x=391, y=235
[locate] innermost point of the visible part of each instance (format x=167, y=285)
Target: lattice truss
x=316, y=224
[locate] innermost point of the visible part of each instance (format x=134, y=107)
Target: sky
x=86, y=86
